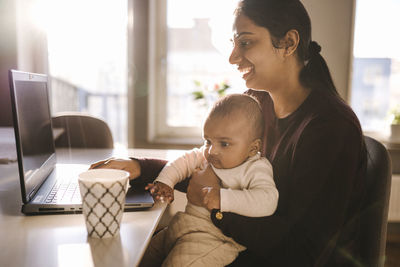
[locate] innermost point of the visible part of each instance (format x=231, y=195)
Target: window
x=191, y=40
x=376, y=63
x=87, y=47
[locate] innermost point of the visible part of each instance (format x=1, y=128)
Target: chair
x=82, y=131
x=375, y=208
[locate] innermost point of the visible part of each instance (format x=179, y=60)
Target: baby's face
x=227, y=141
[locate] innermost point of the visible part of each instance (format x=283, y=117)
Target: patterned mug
x=103, y=199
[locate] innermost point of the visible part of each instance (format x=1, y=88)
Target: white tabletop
x=8, y=152
x=61, y=240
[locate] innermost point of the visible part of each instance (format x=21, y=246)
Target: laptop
x=47, y=186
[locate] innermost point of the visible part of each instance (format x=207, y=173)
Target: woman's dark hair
x=281, y=16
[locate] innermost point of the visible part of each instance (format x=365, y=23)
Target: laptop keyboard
x=64, y=192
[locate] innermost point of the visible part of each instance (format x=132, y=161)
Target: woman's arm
x=257, y=197
x=150, y=169
x=318, y=201
x=142, y=170
x=198, y=186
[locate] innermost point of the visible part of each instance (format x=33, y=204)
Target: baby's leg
x=202, y=249
x=155, y=253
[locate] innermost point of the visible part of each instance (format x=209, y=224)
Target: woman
x=312, y=138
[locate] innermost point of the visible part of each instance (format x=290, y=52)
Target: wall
x=8, y=56
x=31, y=39
x=139, y=70
x=23, y=46
x=139, y=50
x=332, y=27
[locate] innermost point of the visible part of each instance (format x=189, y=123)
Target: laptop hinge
x=31, y=195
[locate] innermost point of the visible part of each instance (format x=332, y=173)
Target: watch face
x=219, y=215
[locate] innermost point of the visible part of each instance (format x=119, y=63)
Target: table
x=61, y=240
x=8, y=153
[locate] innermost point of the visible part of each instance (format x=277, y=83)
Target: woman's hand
x=198, y=188
x=212, y=198
x=130, y=165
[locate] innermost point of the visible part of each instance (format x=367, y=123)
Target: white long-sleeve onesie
x=191, y=238
x=247, y=189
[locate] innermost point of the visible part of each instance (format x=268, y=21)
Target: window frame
x=151, y=135
x=158, y=130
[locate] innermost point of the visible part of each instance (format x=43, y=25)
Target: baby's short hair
x=243, y=104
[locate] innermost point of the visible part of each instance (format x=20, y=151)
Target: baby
x=232, y=139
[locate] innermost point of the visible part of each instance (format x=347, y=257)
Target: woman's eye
x=244, y=43
x=207, y=142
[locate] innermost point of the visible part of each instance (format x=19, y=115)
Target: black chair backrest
x=82, y=131
x=375, y=209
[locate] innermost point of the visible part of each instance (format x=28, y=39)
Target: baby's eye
x=224, y=144
x=207, y=142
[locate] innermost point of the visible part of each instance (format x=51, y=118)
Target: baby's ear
x=255, y=147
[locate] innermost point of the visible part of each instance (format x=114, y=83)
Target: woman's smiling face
x=260, y=63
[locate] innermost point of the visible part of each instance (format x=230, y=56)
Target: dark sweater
x=319, y=159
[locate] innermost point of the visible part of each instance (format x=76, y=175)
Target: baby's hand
x=161, y=191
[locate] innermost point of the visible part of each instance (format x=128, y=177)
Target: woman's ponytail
x=315, y=74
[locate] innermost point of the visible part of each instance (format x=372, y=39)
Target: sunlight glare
x=86, y=31
x=375, y=37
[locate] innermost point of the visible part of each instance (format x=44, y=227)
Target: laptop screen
x=33, y=131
